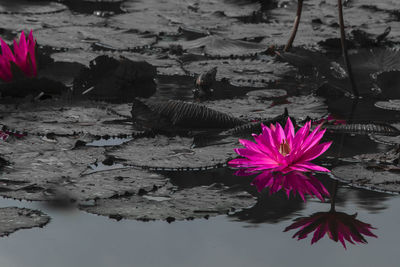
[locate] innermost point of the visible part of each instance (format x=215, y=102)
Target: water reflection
x=339, y=226
x=295, y=182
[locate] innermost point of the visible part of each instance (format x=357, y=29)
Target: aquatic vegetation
x=338, y=225
x=282, y=150
x=23, y=57
x=295, y=182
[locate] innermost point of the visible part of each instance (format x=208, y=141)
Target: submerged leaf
x=160, y=115
x=369, y=128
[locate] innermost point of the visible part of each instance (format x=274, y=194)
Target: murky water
x=75, y=238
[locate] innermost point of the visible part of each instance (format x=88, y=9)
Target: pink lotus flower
x=338, y=225
x=295, y=182
x=23, y=57
x=282, y=150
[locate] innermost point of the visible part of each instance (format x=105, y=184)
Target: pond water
x=76, y=238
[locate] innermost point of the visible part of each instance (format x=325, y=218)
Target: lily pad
x=13, y=219
x=84, y=37
x=393, y=104
x=39, y=173
x=385, y=139
x=172, y=153
x=171, y=204
x=267, y=93
x=64, y=118
x=250, y=73
x=371, y=177
x=218, y=46
x=28, y=8
x=106, y=184
x=299, y=107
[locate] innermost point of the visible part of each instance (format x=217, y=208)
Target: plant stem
x=333, y=195
x=344, y=49
x=295, y=26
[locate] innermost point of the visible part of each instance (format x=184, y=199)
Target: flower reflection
x=282, y=150
x=295, y=182
x=339, y=226
x=23, y=57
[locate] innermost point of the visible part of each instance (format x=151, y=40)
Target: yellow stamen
x=284, y=148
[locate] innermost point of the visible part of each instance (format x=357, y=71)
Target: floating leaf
x=389, y=105
x=13, y=219
x=218, y=46
x=379, y=178
x=62, y=118
x=250, y=73
x=171, y=205
x=172, y=153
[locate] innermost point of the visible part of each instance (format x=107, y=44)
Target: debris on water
x=203, y=84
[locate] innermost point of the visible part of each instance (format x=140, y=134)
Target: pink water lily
x=282, y=150
x=23, y=57
x=295, y=182
x=338, y=225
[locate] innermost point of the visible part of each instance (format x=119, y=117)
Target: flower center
x=284, y=148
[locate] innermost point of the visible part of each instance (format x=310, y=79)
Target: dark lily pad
x=250, y=73
x=81, y=37
x=389, y=157
x=13, y=219
x=385, y=139
x=26, y=7
x=365, y=128
x=48, y=168
x=172, y=153
x=267, y=93
x=166, y=65
x=218, y=46
x=41, y=172
x=63, y=118
x=300, y=107
x=170, y=204
x=379, y=178
x=106, y=184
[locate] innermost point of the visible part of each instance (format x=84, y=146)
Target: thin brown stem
x=344, y=49
x=333, y=195
x=295, y=26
